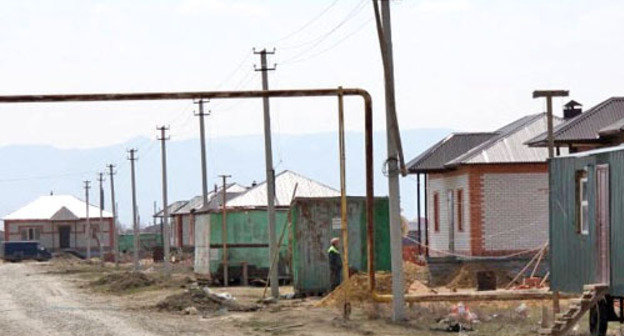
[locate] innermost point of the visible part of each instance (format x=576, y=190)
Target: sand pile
x=120, y=282
x=357, y=286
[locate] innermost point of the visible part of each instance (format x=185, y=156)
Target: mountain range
x=29, y=171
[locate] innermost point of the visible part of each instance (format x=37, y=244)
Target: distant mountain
x=29, y=171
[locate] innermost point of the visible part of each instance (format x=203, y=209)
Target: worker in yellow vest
x=335, y=263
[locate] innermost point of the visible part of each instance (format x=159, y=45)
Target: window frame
x=582, y=202
x=436, y=212
x=460, y=209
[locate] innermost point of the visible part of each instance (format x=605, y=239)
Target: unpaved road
x=33, y=302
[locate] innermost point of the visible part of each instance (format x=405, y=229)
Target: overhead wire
x=307, y=24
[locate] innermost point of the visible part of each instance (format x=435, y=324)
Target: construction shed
x=315, y=221
x=587, y=220
x=247, y=227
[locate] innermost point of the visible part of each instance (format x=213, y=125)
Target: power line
x=307, y=24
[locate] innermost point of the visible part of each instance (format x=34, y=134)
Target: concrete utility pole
x=224, y=230
x=392, y=163
x=99, y=231
x=549, y=94
x=270, y=173
x=165, y=220
x=135, y=223
x=115, y=242
x=202, y=138
x=88, y=227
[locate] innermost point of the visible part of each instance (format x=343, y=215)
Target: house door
x=64, y=236
x=450, y=214
x=603, y=265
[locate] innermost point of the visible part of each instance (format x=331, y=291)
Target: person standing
x=335, y=263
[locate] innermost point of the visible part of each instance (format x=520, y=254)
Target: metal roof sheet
x=284, y=185
x=446, y=150
x=56, y=207
x=173, y=207
x=509, y=143
x=196, y=203
x=586, y=127
x=505, y=145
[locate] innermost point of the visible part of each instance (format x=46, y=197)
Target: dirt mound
x=357, y=285
x=203, y=300
x=194, y=297
x=120, y=282
x=466, y=276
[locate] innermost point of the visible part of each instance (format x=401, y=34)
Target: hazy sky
x=460, y=64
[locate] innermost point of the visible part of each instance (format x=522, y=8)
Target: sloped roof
x=509, y=143
x=505, y=145
x=284, y=185
x=197, y=202
x=612, y=129
x=173, y=207
x=56, y=207
x=587, y=126
x=446, y=150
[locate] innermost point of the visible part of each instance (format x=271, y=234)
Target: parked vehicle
x=21, y=250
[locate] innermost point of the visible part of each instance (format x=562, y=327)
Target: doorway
x=603, y=265
x=450, y=213
x=64, y=236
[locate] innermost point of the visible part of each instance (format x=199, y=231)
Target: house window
x=30, y=233
x=582, y=203
x=460, y=209
x=436, y=212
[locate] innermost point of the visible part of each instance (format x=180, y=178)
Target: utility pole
x=392, y=162
x=270, y=173
x=135, y=223
x=202, y=138
x=115, y=242
x=165, y=219
x=224, y=229
x=88, y=228
x=549, y=94
x=99, y=231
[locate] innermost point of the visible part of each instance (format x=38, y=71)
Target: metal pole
x=224, y=230
x=346, y=311
x=165, y=220
x=426, y=216
x=114, y=209
x=270, y=174
x=100, y=231
x=136, y=231
x=88, y=226
x=398, y=302
x=418, y=213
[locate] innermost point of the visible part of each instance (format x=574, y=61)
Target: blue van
x=21, y=250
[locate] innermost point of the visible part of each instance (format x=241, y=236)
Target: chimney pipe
x=572, y=109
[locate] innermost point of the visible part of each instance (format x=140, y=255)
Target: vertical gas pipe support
x=343, y=201
x=370, y=230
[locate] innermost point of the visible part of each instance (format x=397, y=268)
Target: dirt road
x=35, y=303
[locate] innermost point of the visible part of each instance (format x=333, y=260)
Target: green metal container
x=147, y=241
x=316, y=221
x=574, y=255
x=248, y=241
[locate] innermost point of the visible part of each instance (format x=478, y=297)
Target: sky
x=465, y=65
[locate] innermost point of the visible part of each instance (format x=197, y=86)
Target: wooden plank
x=498, y=295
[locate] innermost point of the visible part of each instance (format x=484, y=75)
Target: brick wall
x=441, y=184
x=505, y=208
x=515, y=211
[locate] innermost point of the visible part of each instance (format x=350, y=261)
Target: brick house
x=486, y=194
x=58, y=222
